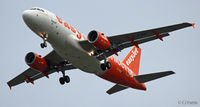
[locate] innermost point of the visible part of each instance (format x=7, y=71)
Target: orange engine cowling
x=36, y=62
x=98, y=40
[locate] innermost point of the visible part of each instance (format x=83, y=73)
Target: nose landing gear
x=44, y=37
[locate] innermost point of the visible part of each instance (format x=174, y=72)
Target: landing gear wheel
x=103, y=67
x=108, y=65
x=62, y=81
x=43, y=45
x=67, y=79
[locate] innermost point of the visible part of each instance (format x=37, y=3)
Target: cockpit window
x=37, y=9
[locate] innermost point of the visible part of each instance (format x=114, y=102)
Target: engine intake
x=36, y=62
x=98, y=40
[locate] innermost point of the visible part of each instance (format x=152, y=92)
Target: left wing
x=30, y=74
x=119, y=42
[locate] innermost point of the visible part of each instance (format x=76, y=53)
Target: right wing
x=30, y=74
x=120, y=42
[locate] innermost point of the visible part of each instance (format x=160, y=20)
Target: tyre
x=103, y=67
x=62, y=81
x=67, y=79
x=45, y=44
x=108, y=65
x=42, y=45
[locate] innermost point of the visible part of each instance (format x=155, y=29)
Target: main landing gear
x=44, y=44
x=64, y=79
x=105, y=65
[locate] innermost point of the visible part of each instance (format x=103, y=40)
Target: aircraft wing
x=30, y=74
x=119, y=42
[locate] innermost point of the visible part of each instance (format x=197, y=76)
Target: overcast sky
x=178, y=52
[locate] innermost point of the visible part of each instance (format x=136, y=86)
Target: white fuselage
x=63, y=40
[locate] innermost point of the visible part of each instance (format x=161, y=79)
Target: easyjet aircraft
x=92, y=54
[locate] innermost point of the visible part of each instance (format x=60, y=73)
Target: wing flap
x=40, y=75
x=147, y=33
x=140, y=41
x=129, y=44
x=21, y=77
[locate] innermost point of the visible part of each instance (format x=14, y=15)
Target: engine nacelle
x=98, y=40
x=36, y=62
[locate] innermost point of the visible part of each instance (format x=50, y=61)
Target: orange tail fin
x=132, y=60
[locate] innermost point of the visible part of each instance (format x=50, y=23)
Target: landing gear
x=105, y=66
x=44, y=44
x=64, y=79
x=108, y=65
x=59, y=68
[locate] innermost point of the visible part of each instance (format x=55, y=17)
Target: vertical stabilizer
x=132, y=60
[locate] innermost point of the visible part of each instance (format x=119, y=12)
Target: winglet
x=10, y=87
x=193, y=25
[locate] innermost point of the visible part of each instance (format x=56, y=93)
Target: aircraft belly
x=64, y=43
x=69, y=49
x=81, y=61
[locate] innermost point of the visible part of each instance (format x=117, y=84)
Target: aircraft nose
x=30, y=18
x=26, y=15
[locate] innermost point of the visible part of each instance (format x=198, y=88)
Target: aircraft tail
x=132, y=60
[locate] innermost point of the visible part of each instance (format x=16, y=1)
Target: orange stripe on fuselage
x=121, y=74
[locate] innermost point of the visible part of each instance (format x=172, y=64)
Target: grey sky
x=179, y=52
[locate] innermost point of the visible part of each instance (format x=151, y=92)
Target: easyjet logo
x=122, y=67
x=78, y=34
x=132, y=56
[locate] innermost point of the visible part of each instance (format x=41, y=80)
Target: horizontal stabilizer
x=116, y=88
x=148, y=77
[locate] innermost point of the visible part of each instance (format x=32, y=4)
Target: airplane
x=92, y=54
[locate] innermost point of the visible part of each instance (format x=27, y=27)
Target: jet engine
x=98, y=40
x=36, y=62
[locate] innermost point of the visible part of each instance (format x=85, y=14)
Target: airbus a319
x=92, y=54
